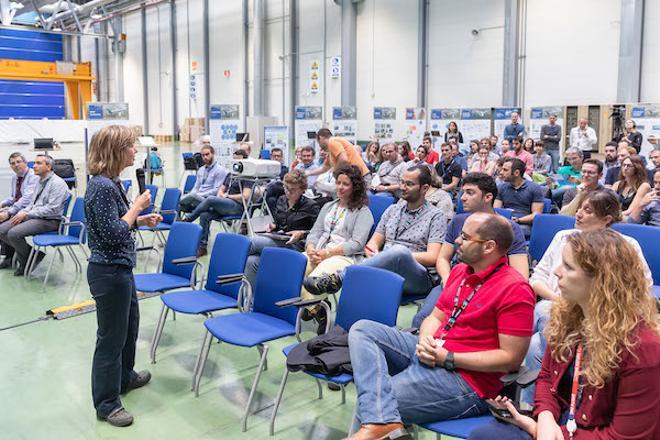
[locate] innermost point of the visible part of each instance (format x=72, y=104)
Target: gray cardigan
x=356, y=229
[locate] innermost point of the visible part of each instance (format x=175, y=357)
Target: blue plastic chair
x=367, y=293
x=169, y=207
x=459, y=205
x=544, y=228
x=504, y=212
x=127, y=183
x=70, y=233
x=182, y=242
x=547, y=205
x=228, y=257
x=377, y=206
x=279, y=278
x=191, y=179
x=154, y=192
x=459, y=428
x=648, y=238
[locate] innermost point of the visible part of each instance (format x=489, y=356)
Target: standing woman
x=452, y=132
x=631, y=134
x=110, y=225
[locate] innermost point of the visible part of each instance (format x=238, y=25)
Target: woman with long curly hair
x=599, y=378
x=633, y=183
x=340, y=232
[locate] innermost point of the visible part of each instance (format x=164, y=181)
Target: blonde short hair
x=107, y=149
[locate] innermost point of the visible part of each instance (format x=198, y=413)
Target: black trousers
x=118, y=319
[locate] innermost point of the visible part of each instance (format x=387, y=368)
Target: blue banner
x=94, y=111
x=384, y=113
x=505, y=112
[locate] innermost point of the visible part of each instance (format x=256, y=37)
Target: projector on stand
x=256, y=168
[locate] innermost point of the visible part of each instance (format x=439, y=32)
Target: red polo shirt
x=503, y=305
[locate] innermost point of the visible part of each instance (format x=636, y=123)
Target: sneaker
x=119, y=418
x=322, y=320
x=329, y=283
x=143, y=377
x=6, y=263
x=201, y=252
x=39, y=258
x=20, y=271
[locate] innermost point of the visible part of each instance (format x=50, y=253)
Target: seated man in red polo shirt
x=479, y=330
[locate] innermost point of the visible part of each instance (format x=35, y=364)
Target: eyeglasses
x=407, y=183
x=465, y=237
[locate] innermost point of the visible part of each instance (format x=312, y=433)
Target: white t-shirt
x=333, y=223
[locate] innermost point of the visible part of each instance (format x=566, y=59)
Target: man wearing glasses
x=407, y=240
x=479, y=329
x=592, y=171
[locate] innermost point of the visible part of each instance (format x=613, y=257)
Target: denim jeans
x=393, y=386
x=399, y=259
x=558, y=195
x=554, y=155
x=497, y=429
x=428, y=306
x=258, y=244
x=213, y=208
x=118, y=319
x=537, y=346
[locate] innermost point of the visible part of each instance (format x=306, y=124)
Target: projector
x=256, y=168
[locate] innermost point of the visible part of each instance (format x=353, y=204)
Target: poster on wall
x=384, y=121
x=224, y=123
x=314, y=77
x=415, y=126
x=647, y=119
x=344, y=123
x=502, y=118
x=309, y=120
x=277, y=136
x=475, y=123
x=440, y=119
x=538, y=117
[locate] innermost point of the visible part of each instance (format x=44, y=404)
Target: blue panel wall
x=31, y=99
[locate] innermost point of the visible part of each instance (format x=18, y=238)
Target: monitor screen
x=311, y=135
x=242, y=137
x=43, y=143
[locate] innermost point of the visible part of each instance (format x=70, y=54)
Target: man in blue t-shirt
x=522, y=197
x=479, y=193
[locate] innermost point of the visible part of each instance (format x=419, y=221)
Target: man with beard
x=407, y=240
x=479, y=329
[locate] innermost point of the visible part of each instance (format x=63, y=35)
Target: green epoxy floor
x=45, y=369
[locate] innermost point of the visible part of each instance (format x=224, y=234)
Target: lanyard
x=401, y=228
x=41, y=190
x=208, y=171
x=456, y=311
x=336, y=217
x=571, y=426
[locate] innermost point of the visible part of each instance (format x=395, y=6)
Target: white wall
x=465, y=70
x=572, y=59
x=133, y=83
x=650, y=87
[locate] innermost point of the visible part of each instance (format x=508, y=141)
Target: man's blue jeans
x=393, y=386
x=554, y=155
x=213, y=208
x=258, y=244
x=428, y=306
x=537, y=345
x=399, y=259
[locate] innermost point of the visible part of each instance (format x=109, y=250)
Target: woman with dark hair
x=405, y=151
x=631, y=134
x=474, y=151
x=452, y=132
x=599, y=378
x=340, y=232
x=528, y=145
x=633, y=183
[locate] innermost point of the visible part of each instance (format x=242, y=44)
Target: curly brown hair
x=297, y=178
x=359, y=194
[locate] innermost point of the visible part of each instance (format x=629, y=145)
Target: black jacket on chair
x=325, y=354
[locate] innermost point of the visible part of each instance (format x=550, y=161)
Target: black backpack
x=64, y=168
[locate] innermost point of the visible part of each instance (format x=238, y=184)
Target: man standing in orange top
x=340, y=152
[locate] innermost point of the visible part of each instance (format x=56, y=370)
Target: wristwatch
x=449, y=361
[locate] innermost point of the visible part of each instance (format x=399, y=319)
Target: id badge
x=439, y=343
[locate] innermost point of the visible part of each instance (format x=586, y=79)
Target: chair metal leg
x=192, y=386
x=260, y=370
x=60, y=254
x=343, y=394
x=261, y=355
x=29, y=263
x=50, y=266
x=173, y=315
x=158, y=333
x=74, y=258
x=84, y=251
x=320, y=387
x=278, y=400
x=201, y=362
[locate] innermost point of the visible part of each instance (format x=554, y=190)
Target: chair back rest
x=67, y=203
x=127, y=183
x=170, y=202
x=544, y=228
x=377, y=206
x=504, y=212
x=279, y=277
x=182, y=241
x=547, y=205
x=648, y=238
x=369, y=293
x=191, y=179
x=153, y=189
x=229, y=254
x=78, y=215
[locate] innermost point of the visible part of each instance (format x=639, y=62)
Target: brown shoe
x=389, y=431
x=201, y=252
